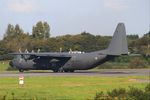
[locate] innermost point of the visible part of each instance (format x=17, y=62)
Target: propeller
x=38, y=50
x=70, y=51
x=60, y=49
x=32, y=51
x=26, y=51
x=20, y=50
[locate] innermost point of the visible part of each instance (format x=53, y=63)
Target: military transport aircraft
x=71, y=61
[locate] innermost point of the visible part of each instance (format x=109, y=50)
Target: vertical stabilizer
x=118, y=44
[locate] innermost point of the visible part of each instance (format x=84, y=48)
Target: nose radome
x=11, y=64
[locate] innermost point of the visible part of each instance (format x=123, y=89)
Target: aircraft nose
x=11, y=64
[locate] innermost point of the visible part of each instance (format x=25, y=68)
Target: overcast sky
x=99, y=17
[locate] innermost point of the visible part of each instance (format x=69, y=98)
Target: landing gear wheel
x=66, y=71
x=21, y=70
x=61, y=70
x=71, y=70
x=55, y=70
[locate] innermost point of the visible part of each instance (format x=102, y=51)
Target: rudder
x=118, y=44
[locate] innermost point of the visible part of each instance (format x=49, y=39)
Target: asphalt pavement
x=100, y=72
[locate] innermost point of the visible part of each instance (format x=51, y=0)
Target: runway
x=100, y=72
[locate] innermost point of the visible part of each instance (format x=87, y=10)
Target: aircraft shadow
x=106, y=72
x=84, y=72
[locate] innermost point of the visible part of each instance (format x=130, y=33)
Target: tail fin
x=118, y=44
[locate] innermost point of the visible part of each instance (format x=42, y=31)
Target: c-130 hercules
x=69, y=62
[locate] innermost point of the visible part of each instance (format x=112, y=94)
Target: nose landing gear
x=21, y=70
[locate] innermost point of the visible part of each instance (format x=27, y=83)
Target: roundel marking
x=96, y=58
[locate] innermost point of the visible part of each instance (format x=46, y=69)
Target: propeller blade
x=26, y=51
x=32, y=51
x=20, y=50
x=38, y=51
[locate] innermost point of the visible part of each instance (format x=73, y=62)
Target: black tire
x=71, y=70
x=66, y=71
x=55, y=71
x=21, y=70
x=61, y=70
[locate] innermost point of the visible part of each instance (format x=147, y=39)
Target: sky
x=98, y=17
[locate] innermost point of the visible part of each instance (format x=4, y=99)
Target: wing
x=49, y=55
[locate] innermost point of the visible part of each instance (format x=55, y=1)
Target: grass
x=4, y=65
x=65, y=87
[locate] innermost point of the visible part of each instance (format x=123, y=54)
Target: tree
x=46, y=29
x=18, y=30
x=137, y=63
x=41, y=30
x=10, y=31
x=133, y=36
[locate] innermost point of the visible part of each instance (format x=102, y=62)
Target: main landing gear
x=21, y=70
x=63, y=70
x=69, y=70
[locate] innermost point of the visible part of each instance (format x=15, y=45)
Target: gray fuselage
x=78, y=61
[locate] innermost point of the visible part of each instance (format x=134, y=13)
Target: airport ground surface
x=80, y=85
x=100, y=72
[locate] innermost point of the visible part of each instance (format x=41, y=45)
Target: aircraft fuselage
x=77, y=61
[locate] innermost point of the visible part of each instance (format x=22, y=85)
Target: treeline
x=15, y=38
